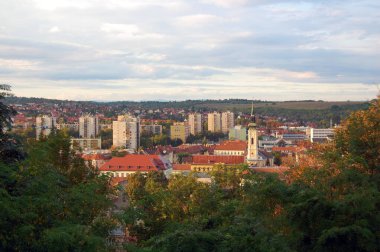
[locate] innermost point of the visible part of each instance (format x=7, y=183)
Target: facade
x=154, y=129
x=254, y=158
x=195, y=123
x=179, y=131
x=228, y=121
x=120, y=167
x=88, y=126
x=44, y=125
x=86, y=143
x=70, y=126
x=126, y=132
x=231, y=148
x=237, y=133
x=318, y=135
x=214, y=122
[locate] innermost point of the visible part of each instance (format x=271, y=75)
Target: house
x=232, y=147
x=120, y=167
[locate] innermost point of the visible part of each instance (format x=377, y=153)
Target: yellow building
x=179, y=131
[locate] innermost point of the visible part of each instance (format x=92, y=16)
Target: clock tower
x=253, y=158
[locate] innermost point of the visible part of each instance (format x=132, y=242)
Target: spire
x=253, y=117
x=252, y=109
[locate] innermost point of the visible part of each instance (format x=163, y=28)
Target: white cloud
x=54, y=29
x=226, y=3
x=197, y=20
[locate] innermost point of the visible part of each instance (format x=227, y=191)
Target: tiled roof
x=212, y=159
x=181, y=167
x=237, y=145
x=134, y=163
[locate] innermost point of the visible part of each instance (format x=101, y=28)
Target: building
x=44, y=125
x=214, y=122
x=86, y=143
x=96, y=159
x=179, y=131
x=126, y=132
x=293, y=137
x=319, y=135
x=231, y=148
x=88, y=126
x=237, y=133
x=206, y=163
x=69, y=126
x=227, y=121
x=195, y=123
x=153, y=129
x=120, y=167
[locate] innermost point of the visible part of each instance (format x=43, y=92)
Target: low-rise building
x=120, y=167
x=228, y=148
x=319, y=135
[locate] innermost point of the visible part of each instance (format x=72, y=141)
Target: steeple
x=252, y=122
x=252, y=151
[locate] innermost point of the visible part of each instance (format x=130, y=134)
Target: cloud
x=184, y=49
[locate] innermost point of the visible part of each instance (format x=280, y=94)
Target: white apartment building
x=126, y=132
x=44, y=125
x=195, y=123
x=228, y=121
x=214, y=122
x=88, y=126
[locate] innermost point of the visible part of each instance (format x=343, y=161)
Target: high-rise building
x=179, y=131
x=195, y=123
x=214, y=122
x=227, y=121
x=88, y=126
x=154, y=129
x=44, y=125
x=126, y=132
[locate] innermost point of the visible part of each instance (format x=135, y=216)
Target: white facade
x=88, y=126
x=227, y=121
x=253, y=152
x=195, y=123
x=44, y=125
x=214, y=122
x=319, y=134
x=126, y=132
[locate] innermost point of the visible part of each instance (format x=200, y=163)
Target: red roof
x=237, y=145
x=134, y=163
x=182, y=167
x=89, y=157
x=211, y=159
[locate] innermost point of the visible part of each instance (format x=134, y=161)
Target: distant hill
x=302, y=111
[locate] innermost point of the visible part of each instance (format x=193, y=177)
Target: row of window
x=129, y=167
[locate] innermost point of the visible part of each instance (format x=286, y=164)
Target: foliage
x=51, y=200
x=328, y=201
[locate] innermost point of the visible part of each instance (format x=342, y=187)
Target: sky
x=191, y=49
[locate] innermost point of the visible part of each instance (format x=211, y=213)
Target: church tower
x=252, y=155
